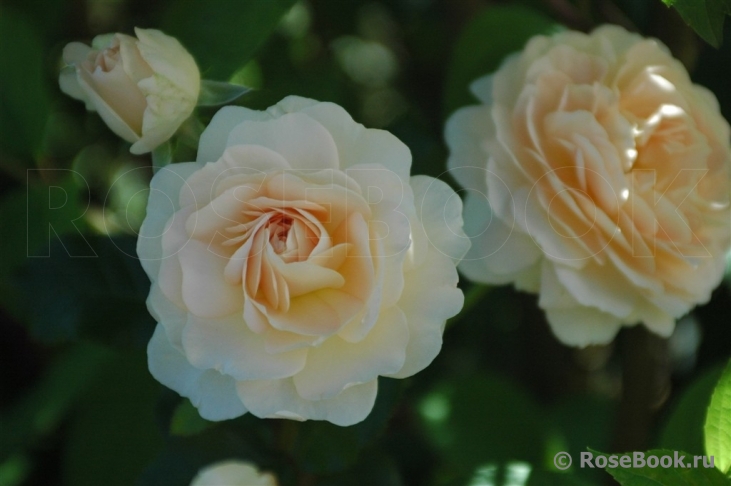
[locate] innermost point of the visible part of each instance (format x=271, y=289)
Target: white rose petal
x=213, y=393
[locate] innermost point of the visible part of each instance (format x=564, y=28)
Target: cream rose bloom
x=144, y=88
x=598, y=177
x=233, y=473
x=294, y=263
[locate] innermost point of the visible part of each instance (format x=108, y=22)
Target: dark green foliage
x=706, y=17
x=77, y=291
x=223, y=35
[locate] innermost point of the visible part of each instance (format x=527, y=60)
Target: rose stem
x=645, y=380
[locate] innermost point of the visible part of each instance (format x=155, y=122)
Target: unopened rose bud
x=144, y=88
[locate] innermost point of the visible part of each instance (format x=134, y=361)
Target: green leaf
x=113, y=436
x=479, y=51
x=230, y=34
x=24, y=104
x=187, y=421
x=683, y=430
x=706, y=17
x=30, y=220
x=216, y=93
x=660, y=476
x=718, y=423
x=37, y=414
x=484, y=419
x=93, y=287
x=322, y=447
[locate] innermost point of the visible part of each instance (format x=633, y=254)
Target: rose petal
x=320, y=313
x=465, y=133
x=113, y=120
x=498, y=252
x=242, y=166
x=172, y=317
x=594, y=286
x=170, y=274
x=291, y=104
x=212, y=219
x=168, y=58
x=430, y=297
x=482, y=89
x=554, y=295
x=214, y=139
x=305, y=277
x=282, y=341
x=162, y=203
x=132, y=61
x=582, y=326
x=121, y=95
x=381, y=352
x=213, y=394
x=279, y=399
x=228, y=346
x=205, y=290
x=657, y=321
x=361, y=324
x=359, y=145
x=75, y=52
x=440, y=211
x=68, y=81
x=301, y=140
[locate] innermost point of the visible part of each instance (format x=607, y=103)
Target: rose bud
x=144, y=88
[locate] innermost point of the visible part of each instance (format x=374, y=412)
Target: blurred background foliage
x=77, y=404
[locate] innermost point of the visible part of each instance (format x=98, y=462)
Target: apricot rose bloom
x=598, y=177
x=296, y=261
x=233, y=473
x=144, y=88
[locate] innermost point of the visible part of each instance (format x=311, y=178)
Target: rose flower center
x=279, y=227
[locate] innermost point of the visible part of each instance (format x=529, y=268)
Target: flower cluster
x=297, y=260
